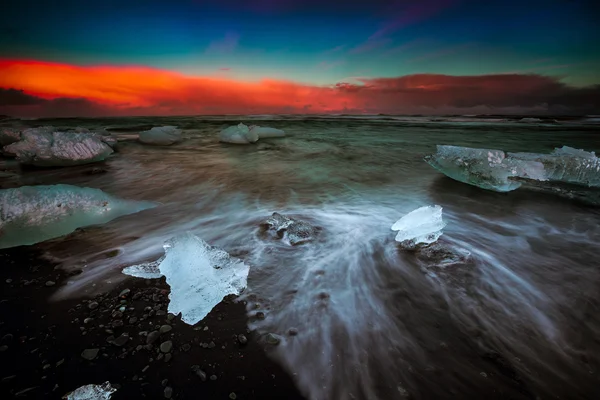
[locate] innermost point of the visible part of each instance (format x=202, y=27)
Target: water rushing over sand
x=358, y=318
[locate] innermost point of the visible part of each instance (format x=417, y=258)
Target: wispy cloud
x=228, y=44
x=542, y=68
x=225, y=69
x=542, y=61
x=327, y=65
x=369, y=45
x=415, y=13
x=439, y=53
x=336, y=49
x=406, y=46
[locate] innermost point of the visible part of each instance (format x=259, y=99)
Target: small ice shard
x=33, y=214
x=91, y=392
x=238, y=134
x=9, y=136
x=530, y=120
x=45, y=148
x=291, y=230
x=148, y=270
x=264, y=132
x=421, y=226
x=485, y=168
x=161, y=136
x=200, y=276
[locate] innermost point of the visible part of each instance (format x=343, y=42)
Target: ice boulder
x=485, y=168
x=566, y=165
x=264, y=132
x=238, y=134
x=91, y=392
x=45, y=147
x=292, y=231
x=502, y=172
x=200, y=276
x=9, y=136
x=422, y=226
x=161, y=136
x=33, y=214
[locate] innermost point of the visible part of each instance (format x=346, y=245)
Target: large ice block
x=238, y=134
x=92, y=392
x=33, y=214
x=161, y=136
x=200, y=276
x=265, y=132
x=485, y=168
x=421, y=226
x=45, y=147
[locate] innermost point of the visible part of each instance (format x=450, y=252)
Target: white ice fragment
x=147, y=270
x=265, y=132
x=200, y=276
x=421, y=226
x=161, y=136
x=45, y=147
x=33, y=214
x=238, y=134
x=91, y=392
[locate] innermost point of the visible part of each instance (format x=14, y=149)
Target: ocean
x=359, y=317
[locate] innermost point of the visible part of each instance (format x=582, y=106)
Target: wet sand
x=42, y=342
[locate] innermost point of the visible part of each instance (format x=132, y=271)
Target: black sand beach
x=43, y=341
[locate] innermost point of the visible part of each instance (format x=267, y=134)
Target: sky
x=188, y=57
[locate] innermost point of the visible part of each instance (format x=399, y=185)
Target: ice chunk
x=238, y=134
x=530, y=120
x=32, y=214
x=291, y=230
x=92, y=392
x=161, y=136
x=200, y=276
x=567, y=165
x=45, y=148
x=148, y=270
x=488, y=169
x=264, y=132
x=421, y=226
x=9, y=136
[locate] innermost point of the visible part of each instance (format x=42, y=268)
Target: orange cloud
x=35, y=89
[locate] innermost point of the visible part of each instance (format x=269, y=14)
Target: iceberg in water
x=92, y=392
x=199, y=275
x=44, y=147
x=265, y=132
x=33, y=214
x=238, y=134
x=161, y=136
x=497, y=170
x=421, y=226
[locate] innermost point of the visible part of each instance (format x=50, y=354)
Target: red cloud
x=35, y=89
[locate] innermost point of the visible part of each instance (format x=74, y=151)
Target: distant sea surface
x=372, y=321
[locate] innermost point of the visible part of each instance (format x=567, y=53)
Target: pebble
x=133, y=320
x=60, y=362
x=242, y=339
x=88, y=320
x=201, y=374
x=152, y=337
x=273, y=339
x=90, y=354
x=50, y=283
x=166, y=347
x=9, y=280
x=168, y=392
x=165, y=328
x=170, y=317
x=121, y=340
x=3, y=348
x=211, y=345
x=160, y=312
x=186, y=347
x=164, y=382
x=146, y=368
x=232, y=396
x=168, y=357
x=93, y=305
x=213, y=377
x=124, y=293
x=292, y=331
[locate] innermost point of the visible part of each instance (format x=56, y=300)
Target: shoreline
x=43, y=343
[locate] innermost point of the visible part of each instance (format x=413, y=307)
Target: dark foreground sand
x=42, y=342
